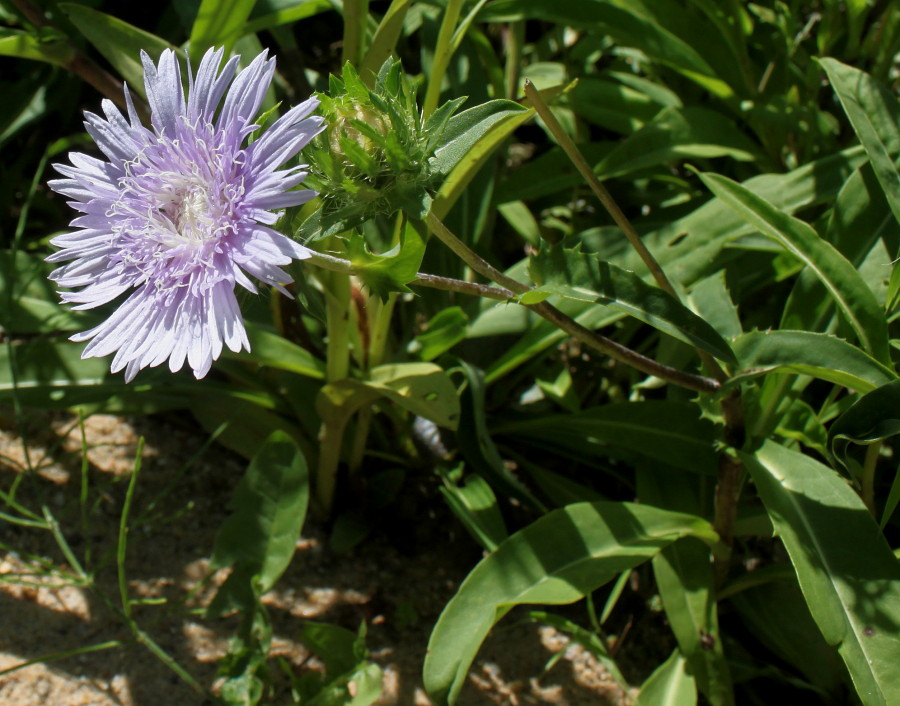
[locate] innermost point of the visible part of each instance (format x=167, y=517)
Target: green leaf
x=475, y=504
x=476, y=445
x=820, y=355
x=626, y=24
x=268, y=511
x=219, y=23
x=860, y=218
x=873, y=417
x=445, y=329
x=119, y=42
x=421, y=388
x=283, y=14
x=464, y=130
x=675, y=134
x=23, y=45
x=802, y=423
x=686, y=246
x=711, y=300
x=31, y=303
x=670, y=685
x=585, y=277
x=361, y=687
x=386, y=36
x=248, y=424
x=558, y=559
x=270, y=349
x=671, y=432
x=874, y=112
x=339, y=649
x=847, y=572
x=612, y=105
x=686, y=583
x=468, y=140
x=776, y=614
x=390, y=271
x=843, y=282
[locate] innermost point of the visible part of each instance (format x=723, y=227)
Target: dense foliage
x=618, y=276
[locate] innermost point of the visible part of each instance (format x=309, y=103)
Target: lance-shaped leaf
x=218, y=23
x=421, y=388
x=270, y=349
x=119, y=42
x=585, y=277
x=854, y=298
x=468, y=140
x=849, y=576
x=678, y=133
x=874, y=112
x=686, y=584
x=629, y=26
x=23, y=45
x=686, y=246
x=820, y=355
x=269, y=508
x=559, y=559
x=671, y=684
x=668, y=431
x=873, y=417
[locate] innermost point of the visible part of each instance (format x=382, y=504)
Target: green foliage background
x=754, y=147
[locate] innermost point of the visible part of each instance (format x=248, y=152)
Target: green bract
x=374, y=157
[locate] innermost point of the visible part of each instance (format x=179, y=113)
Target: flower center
x=189, y=210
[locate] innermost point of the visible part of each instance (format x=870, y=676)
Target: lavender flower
x=181, y=213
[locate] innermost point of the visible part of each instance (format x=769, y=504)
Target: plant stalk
x=337, y=367
x=574, y=154
x=569, y=325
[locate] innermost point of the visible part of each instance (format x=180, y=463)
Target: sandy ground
x=396, y=583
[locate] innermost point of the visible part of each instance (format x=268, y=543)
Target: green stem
x=515, y=38
x=337, y=367
x=356, y=14
x=581, y=164
x=380, y=314
x=337, y=317
x=330, y=440
x=443, y=51
x=123, y=530
x=507, y=292
x=868, y=475
x=360, y=439
x=569, y=325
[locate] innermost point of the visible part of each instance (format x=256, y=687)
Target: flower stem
x=574, y=154
x=508, y=291
x=337, y=367
x=337, y=318
x=566, y=323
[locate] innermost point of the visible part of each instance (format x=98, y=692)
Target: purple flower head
x=180, y=213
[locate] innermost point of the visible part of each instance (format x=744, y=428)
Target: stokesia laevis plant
x=181, y=213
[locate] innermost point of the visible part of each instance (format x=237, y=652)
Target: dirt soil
x=396, y=583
